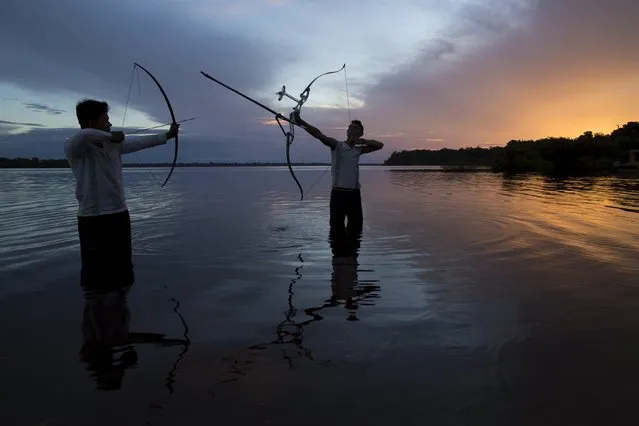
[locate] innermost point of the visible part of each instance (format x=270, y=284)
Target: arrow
x=277, y=114
x=161, y=125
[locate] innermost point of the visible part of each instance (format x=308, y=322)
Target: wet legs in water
x=345, y=240
x=345, y=237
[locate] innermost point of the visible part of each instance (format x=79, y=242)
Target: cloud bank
x=456, y=73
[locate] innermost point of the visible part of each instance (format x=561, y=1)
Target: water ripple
x=467, y=282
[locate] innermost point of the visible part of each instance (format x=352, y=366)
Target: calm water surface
x=476, y=300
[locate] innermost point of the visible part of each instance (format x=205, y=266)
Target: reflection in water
x=346, y=289
x=107, y=347
x=625, y=193
x=345, y=244
x=576, y=192
x=513, y=301
x=290, y=332
x=105, y=331
x=594, y=216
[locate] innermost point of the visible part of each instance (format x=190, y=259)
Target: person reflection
x=105, y=332
x=107, y=342
x=345, y=244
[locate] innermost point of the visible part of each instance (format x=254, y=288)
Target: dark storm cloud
x=43, y=108
x=500, y=70
x=88, y=48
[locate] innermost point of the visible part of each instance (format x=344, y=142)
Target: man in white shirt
x=346, y=202
x=104, y=226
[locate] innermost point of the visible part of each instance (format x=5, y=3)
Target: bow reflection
x=289, y=333
x=346, y=289
x=108, y=344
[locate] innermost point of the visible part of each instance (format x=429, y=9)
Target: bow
x=168, y=103
x=290, y=135
x=307, y=91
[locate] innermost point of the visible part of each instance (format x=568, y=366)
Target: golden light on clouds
x=567, y=71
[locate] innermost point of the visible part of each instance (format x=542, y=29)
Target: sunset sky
x=421, y=74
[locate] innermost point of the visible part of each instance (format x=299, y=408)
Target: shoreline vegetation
x=589, y=154
x=584, y=155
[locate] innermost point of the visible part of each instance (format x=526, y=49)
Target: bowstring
x=348, y=99
x=135, y=72
x=348, y=103
x=128, y=96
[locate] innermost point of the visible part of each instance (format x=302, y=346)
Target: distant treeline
x=586, y=154
x=28, y=163
x=446, y=157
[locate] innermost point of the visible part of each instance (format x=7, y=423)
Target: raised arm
x=370, y=145
x=79, y=143
x=144, y=142
x=315, y=132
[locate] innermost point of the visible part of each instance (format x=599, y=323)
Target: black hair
x=359, y=123
x=89, y=109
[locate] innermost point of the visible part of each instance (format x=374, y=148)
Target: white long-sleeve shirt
x=97, y=165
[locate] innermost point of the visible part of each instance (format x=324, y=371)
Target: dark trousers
x=345, y=237
x=105, y=248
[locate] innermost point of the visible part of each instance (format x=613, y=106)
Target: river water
x=475, y=299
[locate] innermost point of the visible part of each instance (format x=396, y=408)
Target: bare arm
x=370, y=145
x=315, y=132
